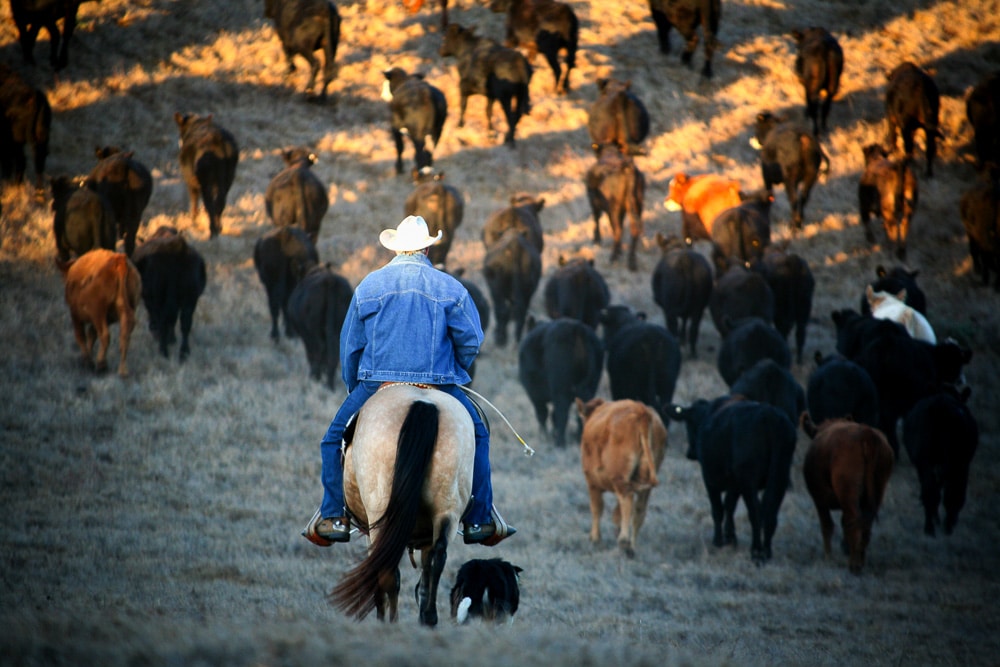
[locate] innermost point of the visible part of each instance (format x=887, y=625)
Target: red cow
x=102, y=287
x=700, y=198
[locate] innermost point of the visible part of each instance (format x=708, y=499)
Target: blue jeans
x=333, y=467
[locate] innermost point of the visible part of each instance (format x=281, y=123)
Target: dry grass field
x=155, y=520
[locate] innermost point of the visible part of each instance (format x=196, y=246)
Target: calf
x=559, y=361
x=30, y=16
x=885, y=306
x=685, y=16
x=296, y=197
x=982, y=108
x=25, y=118
x=743, y=447
x=512, y=268
x=912, y=103
x=749, y=341
x=543, y=25
x=894, y=281
x=682, y=286
x=317, y=307
x=740, y=293
x=486, y=589
x=621, y=448
x=304, y=27
x=941, y=437
x=792, y=284
x=487, y=68
x=742, y=232
x=522, y=214
x=789, y=156
x=617, y=116
x=576, y=289
x=102, y=287
x=888, y=189
x=979, y=207
x=818, y=64
x=127, y=184
x=643, y=359
x=173, y=279
x=615, y=186
x=418, y=111
x=208, y=158
x=838, y=388
x=440, y=204
x=847, y=468
x=82, y=218
x=282, y=258
x=769, y=382
x=700, y=198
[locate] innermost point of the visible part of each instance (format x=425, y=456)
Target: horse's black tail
x=356, y=594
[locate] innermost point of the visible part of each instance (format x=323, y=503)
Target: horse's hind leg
x=387, y=597
x=432, y=561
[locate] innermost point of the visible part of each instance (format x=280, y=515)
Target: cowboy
x=407, y=322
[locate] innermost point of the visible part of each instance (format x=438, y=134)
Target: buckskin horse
x=407, y=482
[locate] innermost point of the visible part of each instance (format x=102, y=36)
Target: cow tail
x=646, y=440
x=572, y=40
x=331, y=37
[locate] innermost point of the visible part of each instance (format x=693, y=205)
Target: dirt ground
x=155, y=520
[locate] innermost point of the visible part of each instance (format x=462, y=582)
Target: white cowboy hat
x=411, y=235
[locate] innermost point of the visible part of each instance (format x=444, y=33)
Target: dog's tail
x=463, y=610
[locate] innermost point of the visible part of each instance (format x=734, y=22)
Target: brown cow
x=102, y=287
x=621, y=448
x=847, y=468
x=700, y=198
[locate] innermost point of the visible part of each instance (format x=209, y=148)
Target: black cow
x=208, y=158
x=317, y=307
x=82, y=218
x=127, y=184
x=296, y=197
x=441, y=205
x=643, y=359
x=617, y=116
x=173, y=279
x=768, y=382
x=30, y=16
x=792, y=284
x=749, y=341
x=543, y=25
x=941, y=436
x=912, y=103
x=304, y=27
x=576, y=289
x=818, y=64
x=737, y=294
x=685, y=16
x=743, y=447
x=487, y=68
x=790, y=156
x=982, y=108
x=522, y=214
x=512, y=268
x=616, y=187
x=742, y=232
x=894, y=281
x=418, y=110
x=980, y=210
x=682, y=287
x=282, y=258
x=478, y=296
x=559, y=361
x=838, y=388
x=25, y=118
x=888, y=189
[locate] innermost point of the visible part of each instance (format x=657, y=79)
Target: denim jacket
x=410, y=322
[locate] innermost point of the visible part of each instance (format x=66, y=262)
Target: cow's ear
x=797, y=35
x=602, y=83
x=439, y=176
x=539, y=204
x=762, y=116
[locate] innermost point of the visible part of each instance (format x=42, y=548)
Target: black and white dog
x=487, y=589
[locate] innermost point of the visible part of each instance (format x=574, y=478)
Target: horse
x=407, y=483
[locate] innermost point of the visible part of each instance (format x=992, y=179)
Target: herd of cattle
x=890, y=367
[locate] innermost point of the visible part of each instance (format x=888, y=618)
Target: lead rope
x=468, y=390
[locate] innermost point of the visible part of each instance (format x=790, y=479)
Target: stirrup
x=309, y=532
x=501, y=529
